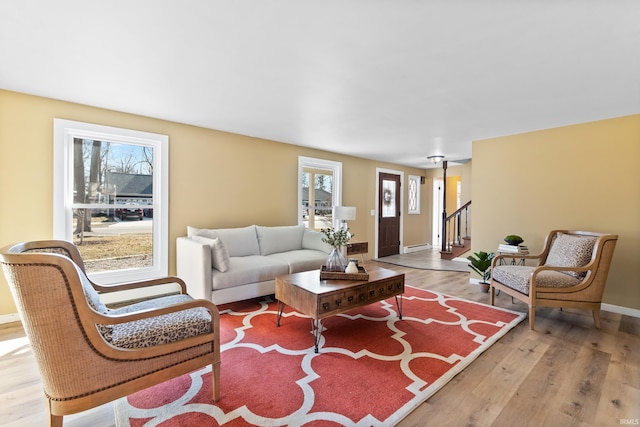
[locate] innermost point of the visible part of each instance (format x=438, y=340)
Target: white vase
x=352, y=268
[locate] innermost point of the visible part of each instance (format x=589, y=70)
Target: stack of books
x=516, y=249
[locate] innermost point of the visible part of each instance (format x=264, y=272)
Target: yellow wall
x=216, y=179
x=584, y=177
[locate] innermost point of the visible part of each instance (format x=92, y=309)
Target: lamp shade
x=344, y=213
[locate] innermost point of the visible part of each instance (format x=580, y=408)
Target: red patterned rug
x=372, y=369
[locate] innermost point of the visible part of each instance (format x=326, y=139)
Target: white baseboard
x=9, y=318
x=627, y=311
x=620, y=310
x=416, y=248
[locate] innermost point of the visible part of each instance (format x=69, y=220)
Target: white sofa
x=233, y=264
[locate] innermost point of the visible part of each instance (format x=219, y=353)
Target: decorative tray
x=339, y=275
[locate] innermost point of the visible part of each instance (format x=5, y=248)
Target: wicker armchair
x=88, y=354
x=571, y=272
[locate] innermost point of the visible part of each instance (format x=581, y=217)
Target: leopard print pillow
x=568, y=250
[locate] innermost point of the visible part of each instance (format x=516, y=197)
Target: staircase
x=455, y=233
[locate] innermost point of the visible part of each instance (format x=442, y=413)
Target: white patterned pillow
x=219, y=254
x=568, y=250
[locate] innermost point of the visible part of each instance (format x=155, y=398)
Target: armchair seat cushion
x=517, y=277
x=160, y=329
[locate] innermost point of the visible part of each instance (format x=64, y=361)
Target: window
x=414, y=194
x=319, y=189
x=110, y=199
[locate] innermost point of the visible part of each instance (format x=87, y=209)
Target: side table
x=355, y=248
x=515, y=255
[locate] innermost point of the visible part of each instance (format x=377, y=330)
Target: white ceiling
x=393, y=80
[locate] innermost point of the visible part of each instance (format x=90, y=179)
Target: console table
x=358, y=248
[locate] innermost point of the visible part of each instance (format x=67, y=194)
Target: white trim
x=9, y=318
x=336, y=171
x=377, y=216
x=627, y=311
x=416, y=248
x=436, y=213
x=64, y=133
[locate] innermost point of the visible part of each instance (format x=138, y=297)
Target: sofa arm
x=193, y=265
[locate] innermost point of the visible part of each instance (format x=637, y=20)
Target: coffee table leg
x=280, y=310
x=399, y=305
x=316, y=328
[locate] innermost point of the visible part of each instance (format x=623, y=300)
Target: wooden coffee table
x=306, y=293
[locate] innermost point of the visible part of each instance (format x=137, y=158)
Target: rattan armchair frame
x=79, y=369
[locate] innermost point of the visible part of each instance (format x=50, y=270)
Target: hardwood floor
x=564, y=373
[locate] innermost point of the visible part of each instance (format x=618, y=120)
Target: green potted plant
x=481, y=264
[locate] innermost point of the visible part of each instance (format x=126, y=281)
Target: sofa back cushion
x=274, y=240
x=568, y=250
x=313, y=240
x=238, y=241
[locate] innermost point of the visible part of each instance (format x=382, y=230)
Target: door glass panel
x=388, y=198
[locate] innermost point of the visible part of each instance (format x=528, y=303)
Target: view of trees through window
x=317, y=199
x=113, y=204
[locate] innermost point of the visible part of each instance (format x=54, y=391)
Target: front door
x=388, y=214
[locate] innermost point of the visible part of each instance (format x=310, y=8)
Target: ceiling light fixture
x=435, y=159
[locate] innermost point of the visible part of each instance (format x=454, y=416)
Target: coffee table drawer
x=356, y=296
x=331, y=302
x=388, y=288
x=342, y=301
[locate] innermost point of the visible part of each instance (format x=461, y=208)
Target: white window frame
x=416, y=180
x=64, y=133
x=336, y=190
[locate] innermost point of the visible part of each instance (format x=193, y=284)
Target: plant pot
x=484, y=287
x=514, y=242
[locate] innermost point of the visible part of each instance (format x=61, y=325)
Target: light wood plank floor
x=565, y=373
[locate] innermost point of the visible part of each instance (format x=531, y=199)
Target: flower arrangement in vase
x=336, y=238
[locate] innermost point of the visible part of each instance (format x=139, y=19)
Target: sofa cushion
x=313, y=240
x=238, y=241
x=279, y=239
x=302, y=260
x=219, y=254
x=248, y=269
x=568, y=250
x=517, y=277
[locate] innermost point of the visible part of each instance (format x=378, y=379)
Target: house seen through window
x=111, y=199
